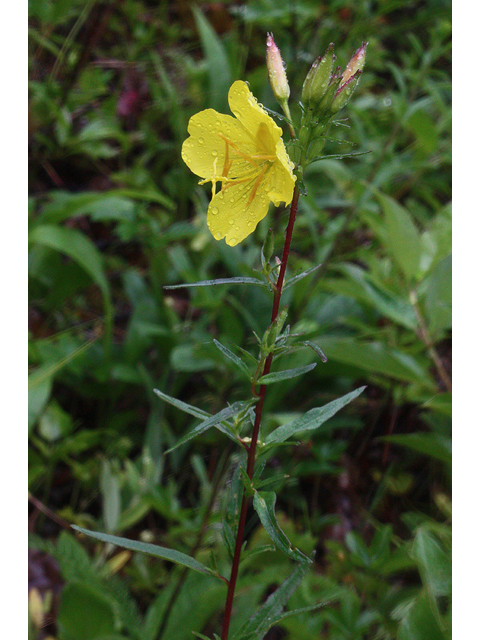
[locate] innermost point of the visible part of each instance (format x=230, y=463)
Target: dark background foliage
x=115, y=215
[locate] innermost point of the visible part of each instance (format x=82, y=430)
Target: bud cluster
x=326, y=90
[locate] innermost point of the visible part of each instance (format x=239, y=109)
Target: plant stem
x=256, y=427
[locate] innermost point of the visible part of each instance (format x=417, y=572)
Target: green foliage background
x=115, y=215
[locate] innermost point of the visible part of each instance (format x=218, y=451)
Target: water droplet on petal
x=201, y=140
x=217, y=235
x=214, y=210
x=231, y=221
x=214, y=153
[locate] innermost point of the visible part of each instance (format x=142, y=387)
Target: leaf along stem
x=256, y=427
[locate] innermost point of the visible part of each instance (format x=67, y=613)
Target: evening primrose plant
x=249, y=166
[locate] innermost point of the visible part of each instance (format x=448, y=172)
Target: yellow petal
x=231, y=214
x=279, y=180
x=254, y=118
x=204, y=147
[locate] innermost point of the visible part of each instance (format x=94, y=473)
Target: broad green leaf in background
x=81, y=249
x=264, y=505
x=402, y=237
x=435, y=564
x=152, y=549
x=85, y=612
x=425, y=130
x=420, y=623
x=377, y=357
x=40, y=383
x=387, y=303
x=219, y=72
x=311, y=419
x=438, y=301
x=429, y=444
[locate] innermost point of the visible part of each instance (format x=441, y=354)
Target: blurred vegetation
x=115, y=216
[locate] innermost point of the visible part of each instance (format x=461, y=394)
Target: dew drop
x=214, y=210
x=217, y=235
x=201, y=140
x=231, y=221
x=214, y=153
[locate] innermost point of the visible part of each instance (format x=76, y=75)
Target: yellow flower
x=247, y=156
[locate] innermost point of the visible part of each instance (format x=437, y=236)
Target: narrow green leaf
x=209, y=283
x=296, y=612
x=278, y=376
x=235, y=359
x=312, y=419
x=300, y=276
x=264, y=505
x=257, y=626
x=183, y=406
x=152, y=549
x=318, y=350
x=214, y=421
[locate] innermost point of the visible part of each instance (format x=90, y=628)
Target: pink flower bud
x=356, y=63
x=349, y=79
x=276, y=71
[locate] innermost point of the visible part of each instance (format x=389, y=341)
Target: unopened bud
x=318, y=78
x=356, y=63
x=349, y=79
x=276, y=71
x=335, y=81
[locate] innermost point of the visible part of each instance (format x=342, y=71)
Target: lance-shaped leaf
x=278, y=376
x=235, y=359
x=183, y=406
x=268, y=614
x=209, y=283
x=217, y=421
x=264, y=505
x=152, y=549
x=312, y=419
x=300, y=276
x=318, y=350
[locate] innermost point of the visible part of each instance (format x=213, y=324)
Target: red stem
x=256, y=427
